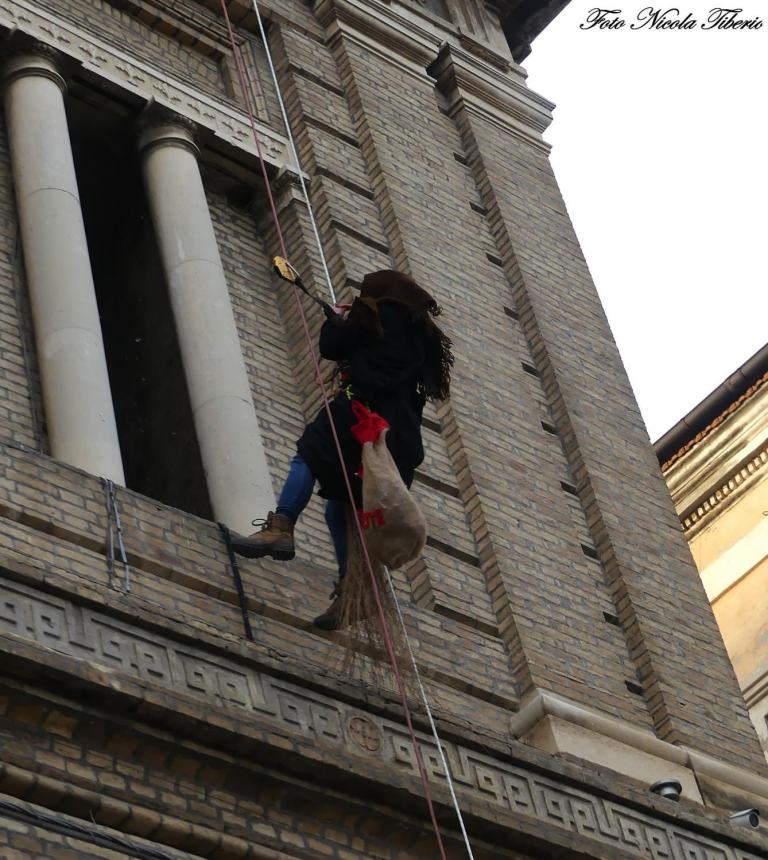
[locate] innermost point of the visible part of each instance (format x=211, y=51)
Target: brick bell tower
x=155, y=376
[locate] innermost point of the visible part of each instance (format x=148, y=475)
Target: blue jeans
x=297, y=491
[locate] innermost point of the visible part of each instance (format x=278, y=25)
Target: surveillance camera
x=745, y=818
x=669, y=788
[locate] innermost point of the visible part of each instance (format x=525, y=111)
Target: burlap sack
x=394, y=527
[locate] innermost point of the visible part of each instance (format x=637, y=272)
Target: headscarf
x=391, y=285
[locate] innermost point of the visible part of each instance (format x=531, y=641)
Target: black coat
x=383, y=373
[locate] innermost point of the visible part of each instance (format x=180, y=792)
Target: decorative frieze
x=104, y=643
x=695, y=518
x=122, y=69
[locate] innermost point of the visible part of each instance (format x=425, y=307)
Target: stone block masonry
x=568, y=650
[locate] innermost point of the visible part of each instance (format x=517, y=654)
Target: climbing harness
x=115, y=530
x=235, y=567
x=289, y=273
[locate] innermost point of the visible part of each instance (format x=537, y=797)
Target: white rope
x=427, y=708
x=332, y=292
x=294, y=152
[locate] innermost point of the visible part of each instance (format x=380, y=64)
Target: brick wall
x=673, y=638
x=199, y=66
x=531, y=543
x=20, y=399
x=553, y=561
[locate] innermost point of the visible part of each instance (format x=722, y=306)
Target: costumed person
x=392, y=357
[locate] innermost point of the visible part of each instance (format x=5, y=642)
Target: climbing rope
x=326, y=404
x=115, y=530
x=235, y=567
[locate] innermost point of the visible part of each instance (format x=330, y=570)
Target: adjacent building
x=155, y=376
x=714, y=461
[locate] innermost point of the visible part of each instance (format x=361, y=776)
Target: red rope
x=326, y=403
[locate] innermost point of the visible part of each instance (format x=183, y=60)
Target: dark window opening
x=154, y=419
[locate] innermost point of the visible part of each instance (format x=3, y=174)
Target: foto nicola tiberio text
x=670, y=19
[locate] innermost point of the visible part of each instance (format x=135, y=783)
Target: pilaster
x=670, y=632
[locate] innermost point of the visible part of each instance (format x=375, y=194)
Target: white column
x=228, y=433
x=70, y=349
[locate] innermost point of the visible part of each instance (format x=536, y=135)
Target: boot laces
x=262, y=524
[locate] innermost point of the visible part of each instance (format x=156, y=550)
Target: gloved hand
x=330, y=313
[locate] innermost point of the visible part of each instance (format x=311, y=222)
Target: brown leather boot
x=275, y=539
x=331, y=618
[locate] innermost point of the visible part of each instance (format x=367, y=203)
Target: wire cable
x=431, y=719
x=295, y=154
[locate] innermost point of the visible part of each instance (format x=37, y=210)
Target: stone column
x=70, y=349
x=225, y=421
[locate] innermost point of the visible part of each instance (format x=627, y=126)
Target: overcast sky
x=659, y=146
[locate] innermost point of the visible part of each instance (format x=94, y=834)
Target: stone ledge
x=536, y=722
x=323, y=653
x=526, y=793
x=45, y=613
x=187, y=553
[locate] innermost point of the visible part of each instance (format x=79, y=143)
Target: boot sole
x=328, y=624
x=279, y=553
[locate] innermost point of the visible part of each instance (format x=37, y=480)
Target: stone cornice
x=498, y=96
x=543, y=703
x=404, y=33
x=382, y=30
x=739, y=481
x=756, y=690
x=723, y=465
x=225, y=122
x=524, y=21
x=487, y=85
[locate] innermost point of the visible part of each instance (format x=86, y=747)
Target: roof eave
x=712, y=406
x=523, y=20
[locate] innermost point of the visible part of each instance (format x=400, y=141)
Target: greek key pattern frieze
x=118, y=67
x=108, y=644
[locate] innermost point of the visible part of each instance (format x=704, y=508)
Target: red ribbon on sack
x=369, y=519
x=370, y=425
